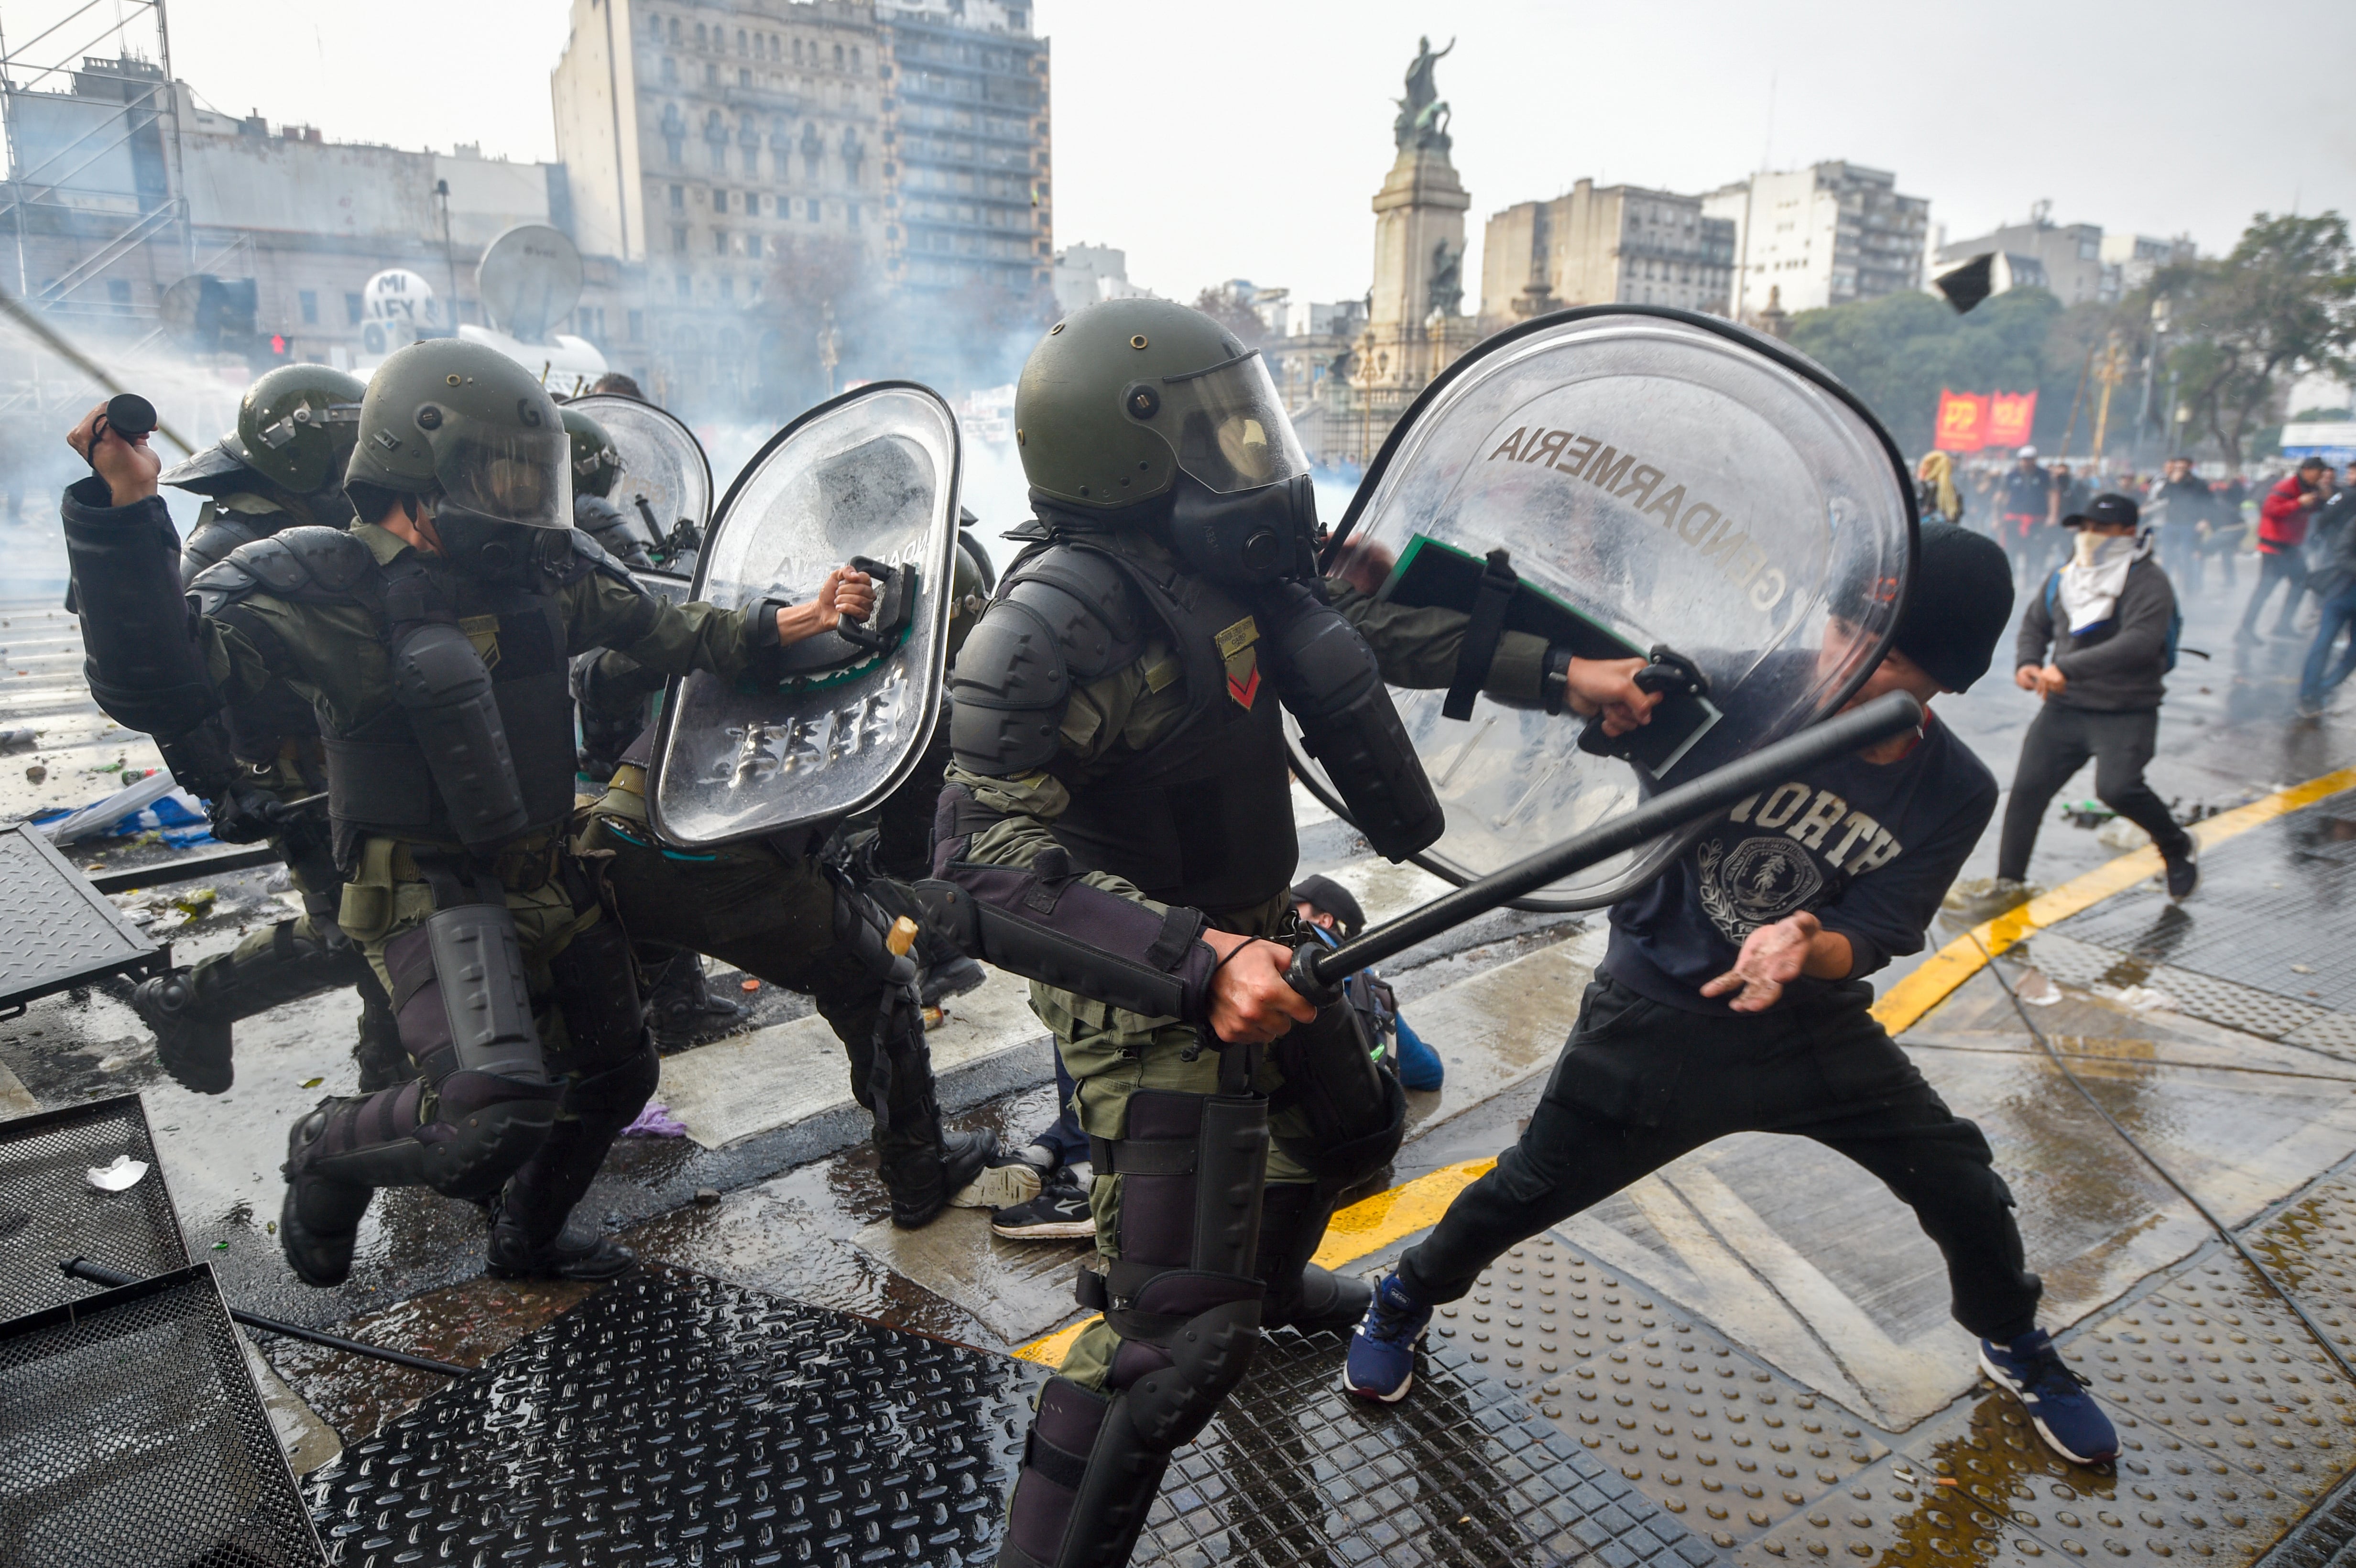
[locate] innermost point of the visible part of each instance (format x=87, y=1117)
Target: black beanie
x=1960, y=606
x=1325, y=893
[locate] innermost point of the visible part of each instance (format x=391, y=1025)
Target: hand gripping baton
x=1318, y=971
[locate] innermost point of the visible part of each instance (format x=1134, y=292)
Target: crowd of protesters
x=2102, y=576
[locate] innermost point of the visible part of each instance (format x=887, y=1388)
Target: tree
x=1897, y=351
x=2282, y=305
x=1222, y=306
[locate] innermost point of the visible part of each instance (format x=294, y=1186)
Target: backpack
x=2174, y=619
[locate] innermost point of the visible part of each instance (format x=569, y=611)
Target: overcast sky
x=1214, y=139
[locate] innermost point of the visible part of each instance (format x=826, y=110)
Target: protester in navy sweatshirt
x=1732, y=998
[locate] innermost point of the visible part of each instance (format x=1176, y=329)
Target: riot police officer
x=431, y=641
x=596, y=465
x=282, y=467
x=770, y=908
x=1118, y=827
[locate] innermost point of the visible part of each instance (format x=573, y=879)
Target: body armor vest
x=460, y=758
x=1203, y=816
x=259, y=727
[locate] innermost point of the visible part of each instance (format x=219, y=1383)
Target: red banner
x=1962, y=422
x=2011, y=416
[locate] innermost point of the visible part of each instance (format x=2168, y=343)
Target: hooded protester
x=2108, y=618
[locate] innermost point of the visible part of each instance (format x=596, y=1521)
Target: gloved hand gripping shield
x=1657, y=478
x=666, y=483
x=831, y=725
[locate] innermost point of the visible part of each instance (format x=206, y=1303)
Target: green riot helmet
x=595, y=463
x=1134, y=399
x=296, y=426
x=475, y=433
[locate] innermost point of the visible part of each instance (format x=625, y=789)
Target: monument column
x=1415, y=328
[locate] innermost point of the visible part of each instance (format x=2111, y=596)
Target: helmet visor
x=1230, y=427
x=520, y=476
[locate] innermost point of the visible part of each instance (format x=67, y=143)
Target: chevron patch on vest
x=1238, y=646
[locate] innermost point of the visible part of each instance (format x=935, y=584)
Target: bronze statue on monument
x=1422, y=118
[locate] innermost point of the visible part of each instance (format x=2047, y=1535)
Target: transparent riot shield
x=1655, y=478
x=831, y=725
x=666, y=484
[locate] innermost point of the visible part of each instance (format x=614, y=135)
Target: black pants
x=2285, y=566
x=2059, y=741
x=1641, y=1083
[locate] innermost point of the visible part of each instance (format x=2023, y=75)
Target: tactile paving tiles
x=1717, y=1439
x=1458, y=1474
x=672, y=1419
x=2270, y=900
x=2204, y=996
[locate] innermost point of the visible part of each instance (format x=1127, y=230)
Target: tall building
x=769, y=160
x=283, y=226
x=1828, y=234
x=1621, y=243
x=971, y=176
x=2130, y=259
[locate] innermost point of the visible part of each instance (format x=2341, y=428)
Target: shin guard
x=1182, y=1297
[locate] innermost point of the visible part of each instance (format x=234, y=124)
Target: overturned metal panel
x=56, y=931
x=131, y=1433
x=58, y=1202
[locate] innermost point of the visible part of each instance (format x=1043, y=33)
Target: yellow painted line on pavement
x=1366, y=1226
x=1903, y=1005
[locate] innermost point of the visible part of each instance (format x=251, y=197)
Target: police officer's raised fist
x=123, y=461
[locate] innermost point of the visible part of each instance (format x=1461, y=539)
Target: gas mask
x=486, y=547
x=1246, y=539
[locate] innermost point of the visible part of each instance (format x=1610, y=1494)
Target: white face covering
x=2097, y=572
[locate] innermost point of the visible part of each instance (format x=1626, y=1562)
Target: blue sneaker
x=2053, y=1393
x=1382, y=1350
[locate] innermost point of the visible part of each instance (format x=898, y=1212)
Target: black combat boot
x=681, y=1009
x=572, y=1253
x=192, y=1040
x=1300, y=1294
x=926, y=1170
x=947, y=972
x=319, y=1220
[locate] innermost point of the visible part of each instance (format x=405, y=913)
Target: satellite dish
x=399, y=295
x=529, y=280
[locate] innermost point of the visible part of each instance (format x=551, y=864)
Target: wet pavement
x=1747, y=1357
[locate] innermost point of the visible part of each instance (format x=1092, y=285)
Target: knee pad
x=1206, y=1326
x=484, y=1129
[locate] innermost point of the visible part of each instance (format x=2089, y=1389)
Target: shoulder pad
x=1063, y=615
x=1085, y=596
x=307, y=561
x=589, y=556
x=223, y=583
x=215, y=536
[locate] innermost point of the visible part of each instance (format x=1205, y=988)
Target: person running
x=2283, y=518
x=1703, y=1021
x=2108, y=619
x=2024, y=505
